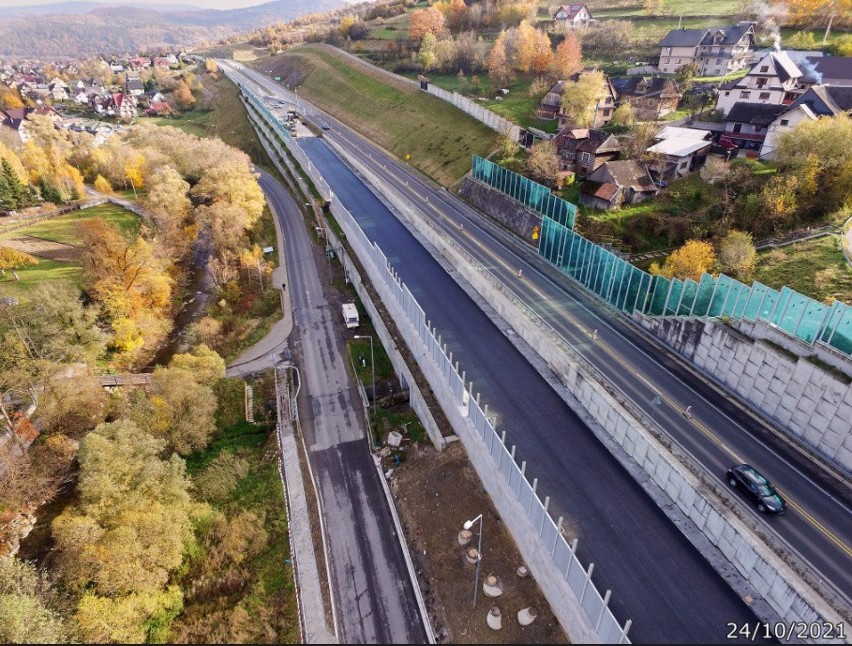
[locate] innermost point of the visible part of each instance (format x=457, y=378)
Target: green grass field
x=61, y=229
x=634, y=8
x=439, y=138
x=816, y=268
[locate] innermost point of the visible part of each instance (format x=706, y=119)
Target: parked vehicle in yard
x=756, y=487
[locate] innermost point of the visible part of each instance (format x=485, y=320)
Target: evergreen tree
x=13, y=194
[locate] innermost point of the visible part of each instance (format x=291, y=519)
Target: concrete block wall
x=808, y=402
x=608, y=413
x=490, y=119
x=511, y=214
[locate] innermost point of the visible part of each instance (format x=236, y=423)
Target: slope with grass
x=816, y=268
x=439, y=138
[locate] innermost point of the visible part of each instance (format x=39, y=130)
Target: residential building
x=15, y=119
x=818, y=101
x=551, y=105
x=747, y=124
x=135, y=87
x=582, y=150
x=676, y=156
x=651, y=97
x=826, y=70
x=716, y=51
x=773, y=79
x=696, y=134
x=615, y=183
x=572, y=16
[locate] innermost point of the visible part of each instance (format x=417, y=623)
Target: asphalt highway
x=373, y=595
x=617, y=529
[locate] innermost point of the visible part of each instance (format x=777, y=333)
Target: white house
x=676, y=156
x=818, y=101
x=774, y=79
x=572, y=16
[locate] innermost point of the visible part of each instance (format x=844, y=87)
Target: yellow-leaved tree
x=694, y=259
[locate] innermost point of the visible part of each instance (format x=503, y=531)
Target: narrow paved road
x=374, y=599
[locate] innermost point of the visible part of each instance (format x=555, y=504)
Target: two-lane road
x=373, y=595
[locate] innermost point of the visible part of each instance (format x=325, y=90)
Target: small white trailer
x=350, y=315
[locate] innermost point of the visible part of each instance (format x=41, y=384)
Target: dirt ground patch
x=435, y=494
x=47, y=249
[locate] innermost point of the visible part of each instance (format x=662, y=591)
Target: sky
x=204, y=4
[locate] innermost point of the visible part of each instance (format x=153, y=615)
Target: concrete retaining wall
x=511, y=214
x=611, y=415
x=807, y=401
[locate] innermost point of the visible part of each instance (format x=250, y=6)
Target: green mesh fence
x=527, y=192
x=629, y=288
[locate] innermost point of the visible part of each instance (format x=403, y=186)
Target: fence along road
x=555, y=301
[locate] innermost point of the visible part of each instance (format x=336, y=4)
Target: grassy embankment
x=63, y=230
x=816, y=268
x=399, y=117
x=266, y=591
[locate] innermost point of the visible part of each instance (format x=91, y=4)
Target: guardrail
x=462, y=405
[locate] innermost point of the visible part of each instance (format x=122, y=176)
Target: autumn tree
x=780, y=202
x=211, y=66
x=129, y=281
x=206, y=366
x=498, y=62
x=131, y=525
x=177, y=408
x=542, y=164
x=607, y=38
x=168, y=203
x=567, y=59
x=27, y=606
x=737, y=255
x=102, y=184
x=652, y=7
x=542, y=58
x=694, y=259
x=182, y=97
x=817, y=154
x=523, y=47
x=426, y=21
x=426, y=55
x=580, y=98
x=120, y=544
x=74, y=402
x=13, y=259
x=624, y=116
x=10, y=99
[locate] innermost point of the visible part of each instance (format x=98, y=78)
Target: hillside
x=117, y=30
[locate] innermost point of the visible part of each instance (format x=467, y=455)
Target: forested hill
x=118, y=30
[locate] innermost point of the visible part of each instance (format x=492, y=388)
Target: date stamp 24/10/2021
x=785, y=630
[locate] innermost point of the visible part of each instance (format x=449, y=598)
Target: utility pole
x=828, y=28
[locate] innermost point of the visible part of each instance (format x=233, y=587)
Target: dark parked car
x=749, y=480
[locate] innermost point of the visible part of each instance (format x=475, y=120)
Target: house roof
x=684, y=133
x=731, y=35
x=630, y=173
x=554, y=95
x=826, y=100
x=683, y=38
x=571, y=9
x=836, y=68
x=588, y=140
x=605, y=191
x=758, y=114
x=645, y=86
x=678, y=146
x=778, y=63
